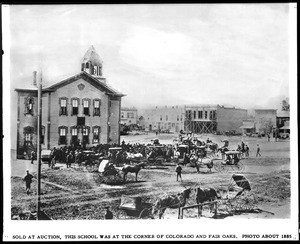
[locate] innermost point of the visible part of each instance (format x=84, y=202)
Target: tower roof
x=92, y=56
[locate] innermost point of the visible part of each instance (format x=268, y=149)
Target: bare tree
x=285, y=105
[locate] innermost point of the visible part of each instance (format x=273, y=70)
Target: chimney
x=34, y=78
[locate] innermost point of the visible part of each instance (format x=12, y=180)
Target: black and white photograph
x=151, y=122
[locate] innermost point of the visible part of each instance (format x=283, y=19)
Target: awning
x=247, y=127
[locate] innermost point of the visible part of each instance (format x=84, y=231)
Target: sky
x=165, y=54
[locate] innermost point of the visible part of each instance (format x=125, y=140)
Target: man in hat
x=178, y=170
x=28, y=180
x=108, y=214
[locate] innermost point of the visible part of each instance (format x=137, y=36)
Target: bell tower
x=91, y=63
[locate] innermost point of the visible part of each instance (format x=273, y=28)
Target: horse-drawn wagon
x=232, y=161
x=107, y=173
x=157, y=155
x=238, y=197
x=134, y=207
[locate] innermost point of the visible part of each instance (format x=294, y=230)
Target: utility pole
x=39, y=133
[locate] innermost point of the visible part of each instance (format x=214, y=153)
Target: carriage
x=238, y=197
x=232, y=161
x=159, y=158
x=134, y=207
x=107, y=173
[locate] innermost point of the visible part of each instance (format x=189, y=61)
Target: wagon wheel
x=222, y=168
x=159, y=161
x=146, y=212
x=248, y=202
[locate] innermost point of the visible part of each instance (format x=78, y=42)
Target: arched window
x=62, y=131
x=97, y=104
x=63, y=101
x=85, y=135
x=96, y=134
x=86, y=106
x=29, y=101
x=74, y=135
x=75, y=105
x=28, y=135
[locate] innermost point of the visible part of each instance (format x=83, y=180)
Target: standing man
x=258, y=151
x=28, y=180
x=69, y=159
x=178, y=170
x=32, y=156
x=108, y=214
x=247, y=151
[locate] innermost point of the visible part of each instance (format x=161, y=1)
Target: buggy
x=134, y=207
x=107, y=173
x=238, y=197
x=232, y=161
x=159, y=158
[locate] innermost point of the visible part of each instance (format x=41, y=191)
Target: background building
x=200, y=118
x=165, y=118
x=80, y=109
x=129, y=115
x=195, y=118
x=248, y=127
x=213, y=118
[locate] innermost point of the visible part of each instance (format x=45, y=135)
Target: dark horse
x=132, y=169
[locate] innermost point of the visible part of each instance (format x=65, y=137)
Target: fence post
x=216, y=208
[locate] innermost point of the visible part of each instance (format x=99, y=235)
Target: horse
x=208, y=162
x=171, y=201
x=132, y=169
x=213, y=147
x=206, y=195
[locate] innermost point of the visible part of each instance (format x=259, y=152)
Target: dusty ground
x=75, y=193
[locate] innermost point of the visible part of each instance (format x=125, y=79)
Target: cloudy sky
x=160, y=54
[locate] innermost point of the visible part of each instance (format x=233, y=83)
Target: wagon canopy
x=241, y=181
x=131, y=203
x=104, y=165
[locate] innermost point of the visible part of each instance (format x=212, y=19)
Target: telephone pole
x=39, y=133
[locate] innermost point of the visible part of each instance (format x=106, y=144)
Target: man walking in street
x=258, y=151
x=28, y=180
x=178, y=170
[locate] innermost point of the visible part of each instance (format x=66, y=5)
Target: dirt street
x=74, y=193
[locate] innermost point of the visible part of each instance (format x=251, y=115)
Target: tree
x=267, y=127
x=285, y=105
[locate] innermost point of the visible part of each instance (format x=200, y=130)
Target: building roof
x=96, y=82
x=264, y=109
x=128, y=109
x=92, y=56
